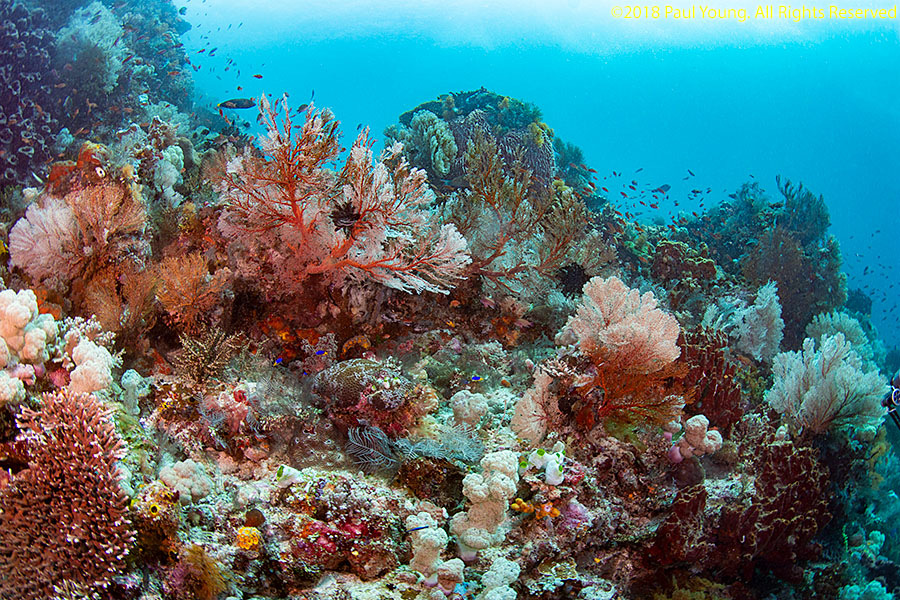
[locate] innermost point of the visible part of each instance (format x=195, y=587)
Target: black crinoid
x=344, y=216
x=572, y=278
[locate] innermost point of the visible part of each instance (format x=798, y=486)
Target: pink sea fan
x=63, y=519
x=42, y=243
x=616, y=321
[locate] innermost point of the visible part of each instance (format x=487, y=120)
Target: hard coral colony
x=451, y=369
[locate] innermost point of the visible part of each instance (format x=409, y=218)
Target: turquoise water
x=282, y=370
x=815, y=101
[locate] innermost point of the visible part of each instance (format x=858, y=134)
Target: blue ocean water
x=308, y=380
x=814, y=100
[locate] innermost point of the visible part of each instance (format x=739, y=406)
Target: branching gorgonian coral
x=369, y=223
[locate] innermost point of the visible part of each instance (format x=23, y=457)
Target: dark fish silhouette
x=238, y=103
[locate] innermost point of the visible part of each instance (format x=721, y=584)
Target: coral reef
x=457, y=368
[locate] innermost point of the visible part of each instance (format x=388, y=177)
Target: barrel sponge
x=432, y=135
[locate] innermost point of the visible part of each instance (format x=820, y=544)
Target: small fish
x=476, y=378
x=257, y=76
x=182, y=10
x=302, y=108
x=417, y=528
x=237, y=103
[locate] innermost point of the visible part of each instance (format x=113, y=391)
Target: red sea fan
x=368, y=223
x=632, y=347
x=617, y=324
x=63, y=519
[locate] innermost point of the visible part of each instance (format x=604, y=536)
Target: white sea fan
x=818, y=390
x=755, y=330
x=840, y=322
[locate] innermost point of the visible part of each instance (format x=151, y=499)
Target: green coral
x=432, y=138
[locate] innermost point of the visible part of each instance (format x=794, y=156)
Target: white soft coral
x=93, y=367
x=24, y=334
